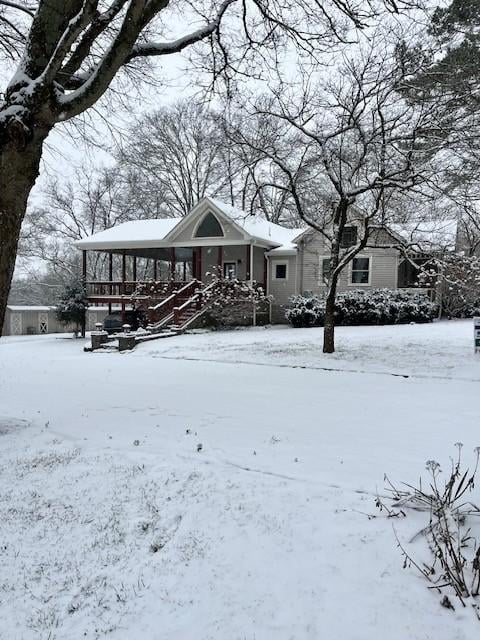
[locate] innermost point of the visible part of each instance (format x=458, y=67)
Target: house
x=180, y=253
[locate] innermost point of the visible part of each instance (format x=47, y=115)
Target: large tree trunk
x=329, y=324
x=19, y=169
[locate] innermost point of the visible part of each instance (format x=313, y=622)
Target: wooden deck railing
x=153, y=289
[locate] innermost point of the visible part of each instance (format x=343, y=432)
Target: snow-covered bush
x=306, y=311
x=233, y=302
x=72, y=305
x=375, y=306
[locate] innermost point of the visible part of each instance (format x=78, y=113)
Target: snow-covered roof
x=258, y=227
x=429, y=235
x=131, y=234
x=155, y=233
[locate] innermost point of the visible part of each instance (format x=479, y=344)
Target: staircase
x=182, y=309
x=171, y=316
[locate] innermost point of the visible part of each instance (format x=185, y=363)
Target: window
x=325, y=262
x=280, y=271
x=361, y=271
x=230, y=270
x=348, y=237
x=209, y=227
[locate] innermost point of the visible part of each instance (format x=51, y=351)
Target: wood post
x=84, y=284
x=134, y=269
x=198, y=263
x=172, y=263
x=220, y=261
x=249, y=264
x=110, y=277
x=155, y=269
x=124, y=277
x=264, y=274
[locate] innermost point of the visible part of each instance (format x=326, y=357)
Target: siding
x=30, y=321
x=282, y=290
x=234, y=254
x=383, y=267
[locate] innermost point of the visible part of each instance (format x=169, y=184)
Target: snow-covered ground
x=112, y=524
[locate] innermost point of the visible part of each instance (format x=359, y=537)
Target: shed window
x=361, y=271
x=209, y=227
x=348, y=237
x=280, y=271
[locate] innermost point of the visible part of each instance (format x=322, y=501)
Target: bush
x=375, y=306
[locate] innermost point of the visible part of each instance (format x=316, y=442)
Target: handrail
x=187, y=303
x=198, y=299
x=168, y=304
x=162, y=303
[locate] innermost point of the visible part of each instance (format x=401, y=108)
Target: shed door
x=43, y=323
x=16, y=324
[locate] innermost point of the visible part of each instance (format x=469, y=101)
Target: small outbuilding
x=37, y=319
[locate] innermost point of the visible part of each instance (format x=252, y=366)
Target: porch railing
x=139, y=288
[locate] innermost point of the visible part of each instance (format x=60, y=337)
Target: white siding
x=384, y=267
x=282, y=290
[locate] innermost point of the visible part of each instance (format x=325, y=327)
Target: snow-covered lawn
x=112, y=524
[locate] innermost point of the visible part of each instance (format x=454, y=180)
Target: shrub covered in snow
x=306, y=311
x=376, y=306
x=72, y=305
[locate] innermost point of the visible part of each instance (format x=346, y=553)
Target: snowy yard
x=114, y=525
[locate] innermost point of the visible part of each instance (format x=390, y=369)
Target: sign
x=476, y=334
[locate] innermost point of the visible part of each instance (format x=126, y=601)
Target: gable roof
x=257, y=227
x=160, y=232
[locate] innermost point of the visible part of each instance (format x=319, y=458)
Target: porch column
x=155, y=275
x=249, y=264
x=110, y=277
x=264, y=272
x=220, y=261
x=172, y=263
x=124, y=277
x=134, y=269
x=84, y=280
x=198, y=263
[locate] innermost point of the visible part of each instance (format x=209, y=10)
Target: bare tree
x=94, y=200
x=179, y=154
x=346, y=147
x=68, y=53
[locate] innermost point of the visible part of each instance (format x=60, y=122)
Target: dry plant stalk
x=455, y=551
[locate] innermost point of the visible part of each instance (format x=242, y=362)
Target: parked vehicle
x=114, y=322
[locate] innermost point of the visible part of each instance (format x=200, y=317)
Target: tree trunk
x=19, y=169
x=329, y=324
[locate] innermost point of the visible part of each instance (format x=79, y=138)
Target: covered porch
x=153, y=273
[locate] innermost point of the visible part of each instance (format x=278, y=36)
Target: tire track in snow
x=415, y=376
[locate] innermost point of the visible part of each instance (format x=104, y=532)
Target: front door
x=230, y=270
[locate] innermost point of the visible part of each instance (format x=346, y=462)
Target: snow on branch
x=175, y=46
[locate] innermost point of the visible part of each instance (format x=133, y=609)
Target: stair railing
x=165, y=307
x=197, y=301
